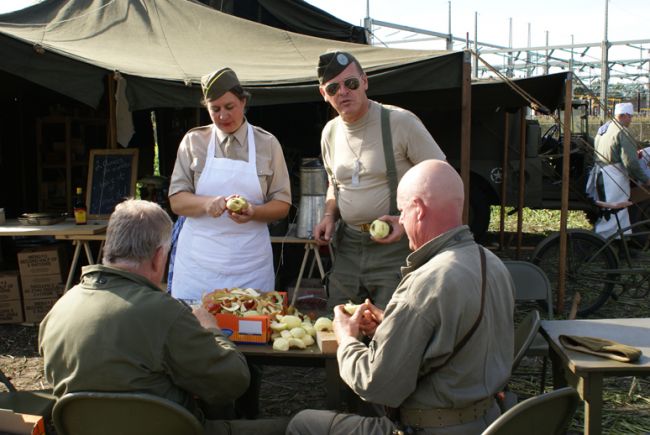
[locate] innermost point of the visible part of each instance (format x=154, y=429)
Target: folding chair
x=124, y=413
x=532, y=284
x=26, y=402
x=524, y=337
x=546, y=414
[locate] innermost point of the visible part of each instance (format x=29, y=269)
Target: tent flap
x=162, y=45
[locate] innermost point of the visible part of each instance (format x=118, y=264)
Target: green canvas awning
x=163, y=47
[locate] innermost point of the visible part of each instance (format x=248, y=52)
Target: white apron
x=617, y=189
x=218, y=252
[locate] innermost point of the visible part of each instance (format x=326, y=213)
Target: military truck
x=497, y=113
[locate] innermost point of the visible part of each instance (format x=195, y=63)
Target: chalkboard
x=111, y=179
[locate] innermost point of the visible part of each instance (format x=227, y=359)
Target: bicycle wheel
x=586, y=269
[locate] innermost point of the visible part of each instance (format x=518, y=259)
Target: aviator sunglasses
x=351, y=83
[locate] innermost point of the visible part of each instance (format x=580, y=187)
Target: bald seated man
x=411, y=363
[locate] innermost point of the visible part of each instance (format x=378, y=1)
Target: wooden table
x=83, y=238
x=586, y=372
x=66, y=230
x=310, y=357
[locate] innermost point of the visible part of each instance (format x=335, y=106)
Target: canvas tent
x=163, y=47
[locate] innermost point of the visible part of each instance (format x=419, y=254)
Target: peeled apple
x=308, y=340
x=291, y=321
x=379, y=229
x=323, y=324
x=297, y=332
x=281, y=344
x=350, y=308
x=237, y=204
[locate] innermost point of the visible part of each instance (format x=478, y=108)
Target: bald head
x=431, y=198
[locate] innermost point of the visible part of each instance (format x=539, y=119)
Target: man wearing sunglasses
x=366, y=150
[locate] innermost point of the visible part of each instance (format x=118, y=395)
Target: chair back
x=123, y=413
x=531, y=284
x=546, y=414
x=525, y=335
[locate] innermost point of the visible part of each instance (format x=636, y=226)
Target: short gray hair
x=135, y=230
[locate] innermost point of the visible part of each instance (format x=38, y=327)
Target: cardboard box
x=42, y=286
x=43, y=260
x=252, y=329
x=36, y=309
x=11, y=311
x=21, y=424
x=9, y=286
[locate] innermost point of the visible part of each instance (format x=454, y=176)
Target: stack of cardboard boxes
x=42, y=274
x=11, y=309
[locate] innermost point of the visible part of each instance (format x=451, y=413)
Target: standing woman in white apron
x=216, y=247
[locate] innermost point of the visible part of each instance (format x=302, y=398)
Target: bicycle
x=594, y=267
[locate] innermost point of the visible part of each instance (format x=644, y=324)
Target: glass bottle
x=79, y=207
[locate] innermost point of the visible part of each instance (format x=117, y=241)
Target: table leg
x=319, y=262
x=73, y=265
x=559, y=378
x=333, y=384
x=89, y=253
x=590, y=389
x=300, y=274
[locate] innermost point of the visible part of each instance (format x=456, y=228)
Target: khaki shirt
x=617, y=146
x=434, y=306
x=271, y=167
x=117, y=331
x=362, y=139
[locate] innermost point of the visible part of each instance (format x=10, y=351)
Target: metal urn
x=313, y=188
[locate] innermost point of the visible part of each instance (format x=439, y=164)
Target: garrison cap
x=331, y=64
x=217, y=83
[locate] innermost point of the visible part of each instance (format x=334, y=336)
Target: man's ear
x=421, y=210
x=159, y=260
x=322, y=92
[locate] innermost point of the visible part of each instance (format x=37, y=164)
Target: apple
x=350, y=308
x=237, y=204
x=380, y=229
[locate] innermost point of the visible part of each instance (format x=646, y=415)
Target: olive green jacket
x=117, y=331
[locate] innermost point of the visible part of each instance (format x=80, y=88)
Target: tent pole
x=522, y=178
x=112, y=115
x=504, y=182
x=466, y=128
x=566, y=155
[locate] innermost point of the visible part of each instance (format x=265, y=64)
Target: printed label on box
x=47, y=260
x=250, y=327
x=9, y=286
x=11, y=311
x=42, y=286
x=36, y=309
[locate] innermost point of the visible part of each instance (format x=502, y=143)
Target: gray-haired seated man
x=118, y=331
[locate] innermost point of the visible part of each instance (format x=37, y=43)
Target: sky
x=585, y=19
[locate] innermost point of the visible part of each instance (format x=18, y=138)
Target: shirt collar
x=240, y=134
x=435, y=246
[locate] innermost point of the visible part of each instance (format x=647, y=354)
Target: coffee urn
x=313, y=188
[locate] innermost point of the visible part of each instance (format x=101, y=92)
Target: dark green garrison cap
x=217, y=83
x=332, y=63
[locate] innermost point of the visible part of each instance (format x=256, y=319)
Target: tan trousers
x=317, y=422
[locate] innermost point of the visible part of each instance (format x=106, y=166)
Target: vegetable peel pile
x=243, y=302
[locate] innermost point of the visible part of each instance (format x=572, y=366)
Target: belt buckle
x=364, y=228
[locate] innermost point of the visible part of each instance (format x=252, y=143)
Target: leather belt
x=443, y=417
x=363, y=228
